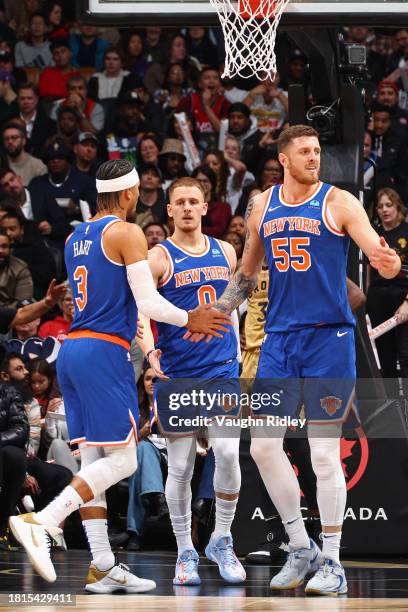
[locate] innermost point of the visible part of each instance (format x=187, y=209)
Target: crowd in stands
x=73, y=96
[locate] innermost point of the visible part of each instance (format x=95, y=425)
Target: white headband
x=118, y=184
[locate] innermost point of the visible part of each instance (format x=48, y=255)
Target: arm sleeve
x=148, y=299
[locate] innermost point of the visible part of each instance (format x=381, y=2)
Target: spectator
x=296, y=70
x=149, y=150
x=172, y=160
x=59, y=326
x=155, y=234
x=155, y=45
x=36, y=206
x=86, y=151
x=388, y=95
x=16, y=283
x=90, y=113
x=237, y=225
x=68, y=127
x=35, y=49
x=399, y=56
x=269, y=105
x=207, y=106
x=237, y=242
x=87, y=48
x=389, y=149
x=369, y=172
x=106, y=85
x=19, y=15
x=8, y=97
x=14, y=431
x=200, y=47
x=388, y=297
x=151, y=205
x=154, y=77
x=128, y=126
x=22, y=163
x=229, y=170
x=248, y=135
x=7, y=64
x=229, y=87
x=146, y=486
x=64, y=182
x=55, y=18
x=218, y=215
x=24, y=331
x=175, y=87
x=270, y=172
x=150, y=110
x=134, y=58
x=174, y=131
x=53, y=80
x=28, y=245
x=36, y=121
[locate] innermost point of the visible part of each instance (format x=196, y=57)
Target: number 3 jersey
x=307, y=259
x=103, y=300
x=190, y=280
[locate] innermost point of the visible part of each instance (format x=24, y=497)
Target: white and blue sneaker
x=221, y=551
x=187, y=568
x=328, y=580
x=300, y=562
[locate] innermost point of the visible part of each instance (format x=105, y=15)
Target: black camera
x=323, y=120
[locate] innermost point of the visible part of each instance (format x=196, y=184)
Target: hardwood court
x=374, y=586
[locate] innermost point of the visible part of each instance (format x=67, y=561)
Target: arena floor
x=378, y=586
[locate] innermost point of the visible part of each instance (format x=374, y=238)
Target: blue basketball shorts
x=184, y=405
x=98, y=385
x=312, y=366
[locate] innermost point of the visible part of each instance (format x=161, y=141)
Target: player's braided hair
x=114, y=168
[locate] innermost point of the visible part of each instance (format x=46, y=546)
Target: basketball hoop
x=249, y=28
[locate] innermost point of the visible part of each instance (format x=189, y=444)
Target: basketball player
x=110, y=278
x=303, y=227
x=189, y=269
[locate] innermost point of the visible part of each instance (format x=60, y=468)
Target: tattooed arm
x=244, y=280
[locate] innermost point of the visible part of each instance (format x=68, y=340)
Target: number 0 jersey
x=307, y=260
x=103, y=300
x=191, y=280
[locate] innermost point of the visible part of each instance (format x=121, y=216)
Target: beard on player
x=308, y=175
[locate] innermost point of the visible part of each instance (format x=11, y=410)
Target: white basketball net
x=250, y=40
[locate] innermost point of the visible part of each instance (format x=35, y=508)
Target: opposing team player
x=106, y=264
x=189, y=269
x=303, y=229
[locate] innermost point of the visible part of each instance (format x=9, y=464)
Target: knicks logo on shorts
x=330, y=404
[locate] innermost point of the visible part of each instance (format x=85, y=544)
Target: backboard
x=297, y=13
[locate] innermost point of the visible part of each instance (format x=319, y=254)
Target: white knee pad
x=117, y=464
x=227, y=475
x=90, y=454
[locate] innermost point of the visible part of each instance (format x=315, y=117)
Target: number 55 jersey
x=307, y=259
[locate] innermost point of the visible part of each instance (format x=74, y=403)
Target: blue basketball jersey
x=307, y=259
x=103, y=300
x=192, y=280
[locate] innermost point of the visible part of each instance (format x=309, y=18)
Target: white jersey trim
x=115, y=263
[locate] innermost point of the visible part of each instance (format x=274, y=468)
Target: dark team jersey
x=397, y=239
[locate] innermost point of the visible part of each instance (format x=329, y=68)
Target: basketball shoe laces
x=227, y=555
x=190, y=564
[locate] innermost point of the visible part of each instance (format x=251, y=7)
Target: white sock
x=182, y=528
x=224, y=515
x=62, y=506
x=97, y=534
x=331, y=546
x=297, y=533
